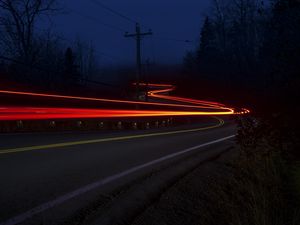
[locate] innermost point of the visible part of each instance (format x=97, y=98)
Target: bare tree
x=18, y=19
x=85, y=59
x=220, y=18
x=247, y=20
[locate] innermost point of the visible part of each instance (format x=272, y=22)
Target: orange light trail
x=184, y=107
x=35, y=113
x=168, y=88
x=67, y=97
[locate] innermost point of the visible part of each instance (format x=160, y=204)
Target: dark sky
x=175, y=19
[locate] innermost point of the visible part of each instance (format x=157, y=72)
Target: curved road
x=40, y=171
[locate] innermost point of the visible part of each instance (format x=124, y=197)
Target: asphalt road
x=36, y=169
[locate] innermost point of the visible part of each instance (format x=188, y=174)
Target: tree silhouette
x=71, y=75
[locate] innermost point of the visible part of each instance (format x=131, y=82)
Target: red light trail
x=184, y=107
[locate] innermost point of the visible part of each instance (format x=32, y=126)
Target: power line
x=54, y=71
x=98, y=21
x=115, y=58
x=174, y=39
x=113, y=11
x=97, y=2
x=26, y=65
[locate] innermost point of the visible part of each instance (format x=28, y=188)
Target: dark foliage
x=251, y=50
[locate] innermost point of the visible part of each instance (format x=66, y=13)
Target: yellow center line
x=67, y=144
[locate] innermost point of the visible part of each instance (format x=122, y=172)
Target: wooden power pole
x=138, y=37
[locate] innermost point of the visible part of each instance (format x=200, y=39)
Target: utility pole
x=138, y=36
x=147, y=72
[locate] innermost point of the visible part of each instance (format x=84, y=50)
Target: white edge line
x=45, y=206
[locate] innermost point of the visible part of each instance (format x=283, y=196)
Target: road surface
x=42, y=170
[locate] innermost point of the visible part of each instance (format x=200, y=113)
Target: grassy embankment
x=264, y=186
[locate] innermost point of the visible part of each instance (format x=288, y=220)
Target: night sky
x=169, y=19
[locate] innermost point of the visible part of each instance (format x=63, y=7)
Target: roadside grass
x=263, y=188
x=295, y=172
x=294, y=175
x=254, y=195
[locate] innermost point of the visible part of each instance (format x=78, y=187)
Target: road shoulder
x=139, y=202
x=183, y=202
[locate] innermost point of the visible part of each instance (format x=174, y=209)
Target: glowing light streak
x=66, y=97
x=191, y=107
x=33, y=113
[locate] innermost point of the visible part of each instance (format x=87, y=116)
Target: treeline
x=249, y=44
x=37, y=57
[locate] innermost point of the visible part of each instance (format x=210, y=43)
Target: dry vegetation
x=260, y=190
